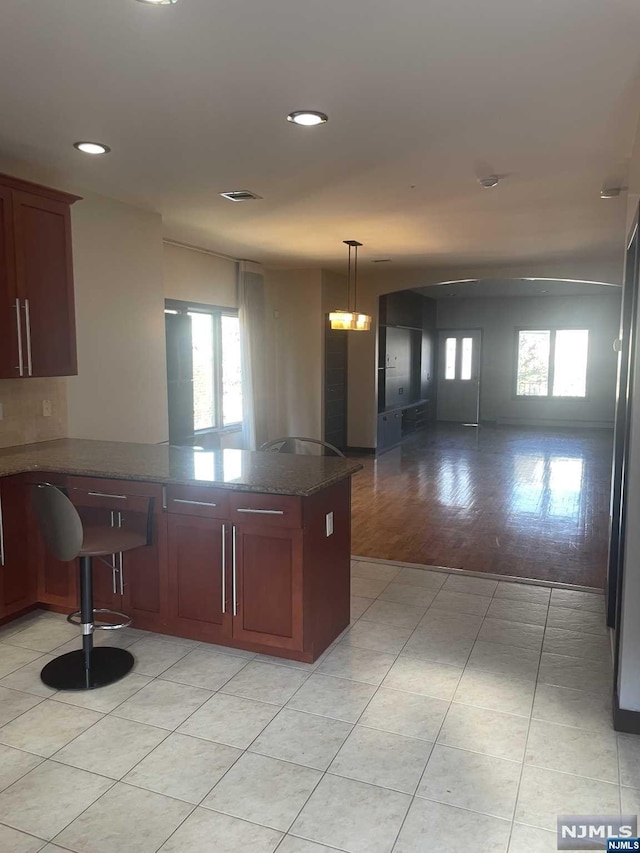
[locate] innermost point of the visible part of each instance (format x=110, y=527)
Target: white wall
x=499, y=319
x=197, y=276
x=120, y=392
x=295, y=333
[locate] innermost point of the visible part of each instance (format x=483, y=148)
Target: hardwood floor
x=515, y=501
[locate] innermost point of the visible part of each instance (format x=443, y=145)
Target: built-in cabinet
x=406, y=366
x=236, y=566
x=263, y=572
x=17, y=582
x=37, y=313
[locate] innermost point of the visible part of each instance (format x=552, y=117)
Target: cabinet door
x=9, y=316
x=44, y=281
x=140, y=572
x=56, y=582
x=17, y=579
x=267, y=569
x=199, y=580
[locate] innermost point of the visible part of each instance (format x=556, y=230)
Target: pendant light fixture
x=349, y=319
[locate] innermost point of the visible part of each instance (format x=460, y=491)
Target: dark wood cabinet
x=199, y=580
x=262, y=572
x=268, y=586
x=271, y=575
x=17, y=578
x=37, y=314
x=130, y=582
x=9, y=307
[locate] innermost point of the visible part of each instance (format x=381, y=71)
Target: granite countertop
x=240, y=470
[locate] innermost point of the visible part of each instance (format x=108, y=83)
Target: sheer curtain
x=251, y=309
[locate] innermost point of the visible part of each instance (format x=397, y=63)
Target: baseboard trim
x=473, y=574
x=625, y=720
x=551, y=423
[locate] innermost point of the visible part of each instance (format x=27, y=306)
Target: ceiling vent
x=240, y=195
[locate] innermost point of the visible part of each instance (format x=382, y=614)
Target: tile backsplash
x=23, y=420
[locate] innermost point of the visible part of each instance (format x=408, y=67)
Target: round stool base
x=107, y=665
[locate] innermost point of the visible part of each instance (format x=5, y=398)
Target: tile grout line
x=308, y=675
x=526, y=742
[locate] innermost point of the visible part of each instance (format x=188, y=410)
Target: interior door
x=459, y=375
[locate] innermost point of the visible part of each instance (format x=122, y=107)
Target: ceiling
x=496, y=288
x=423, y=99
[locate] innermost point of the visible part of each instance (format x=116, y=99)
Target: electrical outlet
x=329, y=520
x=47, y=409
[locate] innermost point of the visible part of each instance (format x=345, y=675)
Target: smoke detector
x=489, y=182
x=240, y=195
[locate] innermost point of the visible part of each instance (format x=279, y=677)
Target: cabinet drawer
x=269, y=510
x=122, y=495
x=203, y=501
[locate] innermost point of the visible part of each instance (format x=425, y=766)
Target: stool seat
x=67, y=539
x=101, y=541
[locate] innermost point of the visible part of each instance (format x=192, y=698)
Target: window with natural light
x=467, y=358
x=207, y=341
x=450, y=358
x=204, y=403
x=552, y=363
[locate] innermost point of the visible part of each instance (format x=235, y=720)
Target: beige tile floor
x=454, y=710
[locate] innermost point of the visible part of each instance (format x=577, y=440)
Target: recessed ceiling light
x=308, y=118
x=92, y=147
x=489, y=182
x=611, y=192
x=158, y=2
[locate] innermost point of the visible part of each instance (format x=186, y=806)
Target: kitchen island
x=250, y=550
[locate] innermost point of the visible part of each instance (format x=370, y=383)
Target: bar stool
x=66, y=538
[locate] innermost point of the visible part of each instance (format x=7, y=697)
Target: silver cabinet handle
x=233, y=570
x=192, y=503
x=224, y=568
x=20, y=367
x=262, y=511
x=121, y=570
x=2, y=556
x=27, y=323
x=105, y=495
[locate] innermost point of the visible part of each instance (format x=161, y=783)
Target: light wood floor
x=515, y=501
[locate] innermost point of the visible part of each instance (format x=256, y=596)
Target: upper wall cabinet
x=37, y=316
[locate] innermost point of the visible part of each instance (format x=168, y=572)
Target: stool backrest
x=58, y=520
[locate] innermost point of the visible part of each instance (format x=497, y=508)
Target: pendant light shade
x=349, y=319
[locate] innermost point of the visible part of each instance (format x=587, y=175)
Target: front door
x=459, y=375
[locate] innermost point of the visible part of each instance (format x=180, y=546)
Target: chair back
x=297, y=443
x=58, y=521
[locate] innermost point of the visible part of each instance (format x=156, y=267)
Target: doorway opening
x=525, y=491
